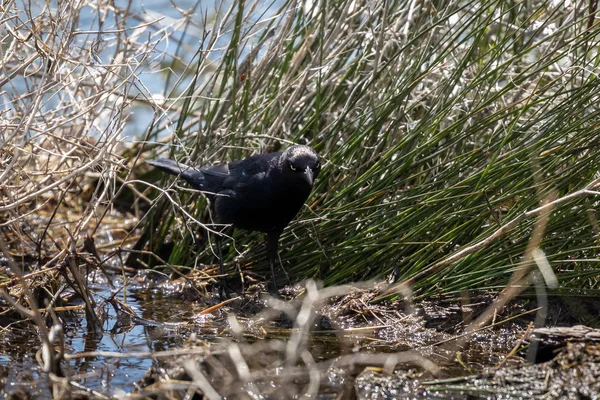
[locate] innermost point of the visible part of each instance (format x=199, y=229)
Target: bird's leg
x=223, y=295
x=287, y=276
x=273, y=254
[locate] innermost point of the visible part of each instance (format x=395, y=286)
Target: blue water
x=165, y=324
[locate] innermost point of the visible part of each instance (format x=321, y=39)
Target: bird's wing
x=215, y=177
x=246, y=172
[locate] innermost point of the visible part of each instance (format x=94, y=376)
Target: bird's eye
x=292, y=167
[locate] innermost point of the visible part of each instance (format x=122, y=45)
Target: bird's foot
x=224, y=289
x=273, y=291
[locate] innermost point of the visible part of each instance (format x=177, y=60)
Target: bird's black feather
x=193, y=176
x=260, y=193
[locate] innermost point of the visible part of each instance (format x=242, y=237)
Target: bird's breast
x=261, y=210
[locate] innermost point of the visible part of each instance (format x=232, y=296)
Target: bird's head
x=300, y=162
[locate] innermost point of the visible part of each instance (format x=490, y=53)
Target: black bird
x=260, y=193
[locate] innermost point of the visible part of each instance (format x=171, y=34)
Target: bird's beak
x=308, y=175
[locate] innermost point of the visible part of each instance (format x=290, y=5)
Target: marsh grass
x=439, y=125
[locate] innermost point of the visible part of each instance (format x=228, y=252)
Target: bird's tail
x=193, y=176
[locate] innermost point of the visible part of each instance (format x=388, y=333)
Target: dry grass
x=65, y=97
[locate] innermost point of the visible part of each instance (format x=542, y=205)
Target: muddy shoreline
x=332, y=342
